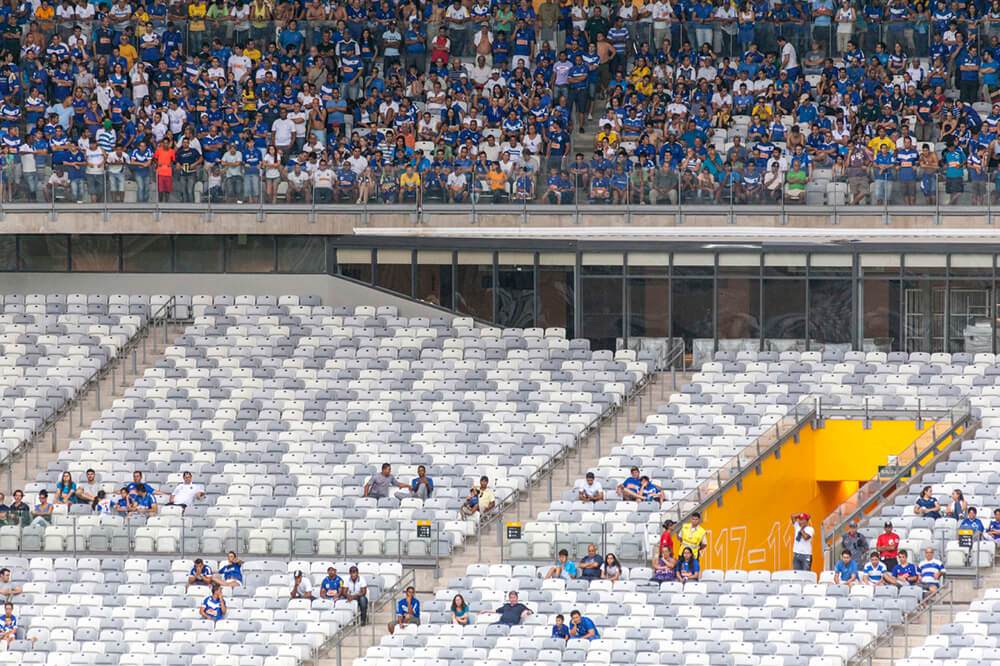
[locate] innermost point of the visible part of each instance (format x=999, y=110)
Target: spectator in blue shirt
x=422, y=486
x=564, y=568
x=904, y=573
x=200, y=574
x=214, y=606
x=629, y=488
x=332, y=586
x=846, y=571
x=931, y=570
x=231, y=573
x=582, y=627
x=970, y=522
x=559, y=629
x=992, y=532
x=687, y=566
x=927, y=504
x=407, y=610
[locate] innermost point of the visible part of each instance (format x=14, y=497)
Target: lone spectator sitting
x=927, y=505
x=688, y=568
x=459, y=611
x=231, y=573
x=512, y=612
x=186, y=493
x=564, y=568
x=42, y=513
x=846, y=571
x=18, y=513
x=66, y=490
x=200, y=574
x=8, y=624
x=582, y=627
x=992, y=532
x=612, y=568
x=332, y=586
x=904, y=573
x=590, y=566
x=971, y=522
x=957, y=506
x=931, y=570
x=664, y=566
x=421, y=486
x=8, y=591
x=214, y=606
x=407, y=610
x=87, y=491
x=301, y=586
x=590, y=490
x=629, y=488
x=560, y=629
x=378, y=486
x=887, y=546
x=648, y=492
x=356, y=589
x=874, y=572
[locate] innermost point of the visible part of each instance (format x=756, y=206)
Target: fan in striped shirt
x=931, y=571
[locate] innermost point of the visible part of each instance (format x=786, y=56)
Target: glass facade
x=720, y=296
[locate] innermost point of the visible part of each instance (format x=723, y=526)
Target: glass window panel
x=925, y=264
x=747, y=263
x=434, y=277
x=976, y=265
x=778, y=263
x=516, y=295
x=250, y=254
x=555, y=298
x=880, y=315
x=95, y=252
x=691, y=315
x=475, y=284
x=355, y=264
x=395, y=271
x=601, y=302
x=878, y=265
x=970, y=327
x=840, y=265
x=739, y=312
x=648, y=312
x=784, y=314
x=44, y=253
x=146, y=254
x=830, y=319
x=301, y=254
x=693, y=263
x=198, y=254
x=602, y=263
x=8, y=252
x=923, y=315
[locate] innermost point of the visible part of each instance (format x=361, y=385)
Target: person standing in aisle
x=802, y=545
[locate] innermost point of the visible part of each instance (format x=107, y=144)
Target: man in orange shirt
x=165, y=157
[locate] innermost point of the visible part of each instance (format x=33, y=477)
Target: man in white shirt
x=323, y=183
x=480, y=72
x=95, y=171
x=298, y=184
x=458, y=187
x=789, y=58
x=590, y=490
x=283, y=132
x=86, y=491
x=802, y=546
x=456, y=17
x=356, y=589
x=301, y=587
x=357, y=161
x=239, y=64
x=186, y=493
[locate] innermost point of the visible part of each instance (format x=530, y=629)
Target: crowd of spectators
x=495, y=101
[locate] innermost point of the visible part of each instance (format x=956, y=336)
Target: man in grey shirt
x=378, y=486
x=86, y=491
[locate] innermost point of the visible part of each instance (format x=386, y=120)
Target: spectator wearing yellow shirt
x=498, y=182
x=127, y=51
x=45, y=15
x=639, y=72
x=196, y=26
x=409, y=185
x=877, y=142
x=606, y=134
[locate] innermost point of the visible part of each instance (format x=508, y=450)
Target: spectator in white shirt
x=590, y=490
x=301, y=587
x=356, y=589
x=186, y=493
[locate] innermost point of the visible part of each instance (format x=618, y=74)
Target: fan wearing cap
x=887, y=546
x=301, y=587
x=590, y=490
x=802, y=546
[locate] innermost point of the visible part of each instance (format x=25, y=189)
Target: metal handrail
x=336, y=641
x=872, y=491
x=50, y=425
x=866, y=655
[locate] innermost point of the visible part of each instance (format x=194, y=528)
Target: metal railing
x=921, y=452
x=160, y=319
x=355, y=629
x=927, y=606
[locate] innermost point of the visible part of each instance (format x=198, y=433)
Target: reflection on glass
x=355, y=264
x=648, y=312
x=516, y=296
x=923, y=315
x=301, y=254
x=198, y=254
x=970, y=327
x=95, y=253
x=880, y=315
x=434, y=277
x=555, y=298
x=830, y=320
x=395, y=271
x=691, y=312
x=146, y=254
x=601, y=307
x=250, y=254
x=475, y=284
x=8, y=252
x=739, y=313
x=44, y=253
x=784, y=314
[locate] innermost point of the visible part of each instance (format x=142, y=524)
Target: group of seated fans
x=385, y=102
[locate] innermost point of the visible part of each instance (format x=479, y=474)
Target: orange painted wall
x=752, y=529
